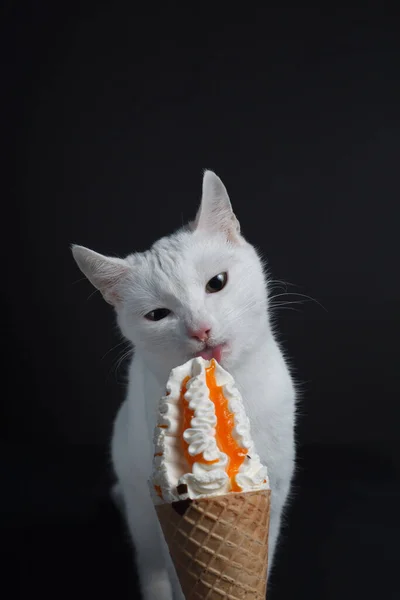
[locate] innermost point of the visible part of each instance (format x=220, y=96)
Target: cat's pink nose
x=201, y=333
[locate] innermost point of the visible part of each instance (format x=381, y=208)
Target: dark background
x=110, y=114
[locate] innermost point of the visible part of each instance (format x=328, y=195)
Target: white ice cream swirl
x=208, y=475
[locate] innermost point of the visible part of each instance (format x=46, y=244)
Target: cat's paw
x=158, y=587
x=117, y=497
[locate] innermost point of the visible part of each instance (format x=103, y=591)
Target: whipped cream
x=188, y=460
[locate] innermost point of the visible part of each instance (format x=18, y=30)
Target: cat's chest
x=153, y=392
x=252, y=387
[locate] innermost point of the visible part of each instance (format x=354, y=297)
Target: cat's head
x=199, y=291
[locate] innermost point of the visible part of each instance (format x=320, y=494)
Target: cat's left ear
x=215, y=213
x=106, y=273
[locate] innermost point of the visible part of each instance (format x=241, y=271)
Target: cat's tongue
x=210, y=353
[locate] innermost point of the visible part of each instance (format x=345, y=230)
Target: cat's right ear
x=107, y=274
x=215, y=213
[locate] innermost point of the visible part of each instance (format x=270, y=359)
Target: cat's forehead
x=189, y=250
x=184, y=256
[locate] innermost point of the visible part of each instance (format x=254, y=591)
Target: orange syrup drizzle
x=225, y=424
x=158, y=491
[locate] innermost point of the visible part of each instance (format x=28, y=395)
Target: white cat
x=200, y=291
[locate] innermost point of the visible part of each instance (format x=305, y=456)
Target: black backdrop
x=113, y=113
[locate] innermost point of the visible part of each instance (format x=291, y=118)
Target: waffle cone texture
x=219, y=545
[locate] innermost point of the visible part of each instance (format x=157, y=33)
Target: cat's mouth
x=208, y=353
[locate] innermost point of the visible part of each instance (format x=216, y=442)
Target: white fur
x=173, y=274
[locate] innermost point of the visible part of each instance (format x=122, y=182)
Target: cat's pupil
x=217, y=283
x=157, y=314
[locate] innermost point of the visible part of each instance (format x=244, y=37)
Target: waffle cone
x=219, y=545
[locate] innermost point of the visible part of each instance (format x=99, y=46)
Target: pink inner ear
x=109, y=286
x=192, y=225
x=230, y=225
x=111, y=296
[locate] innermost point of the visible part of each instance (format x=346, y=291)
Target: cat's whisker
x=117, y=363
x=276, y=308
x=79, y=280
x=277, y=283
x=239, y=313
x=305, y=296
x=283, y=282
x=277, y=304
x=124, y=356
x=92, y=294
x=116, y=346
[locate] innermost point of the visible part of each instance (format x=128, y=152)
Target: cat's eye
x=217, y=283
x=157, y=314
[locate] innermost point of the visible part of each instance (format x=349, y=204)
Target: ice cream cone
x=219, y=545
